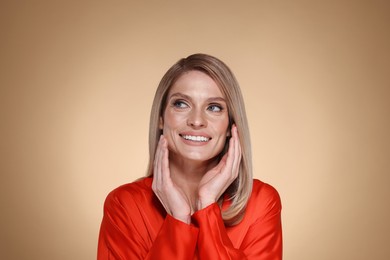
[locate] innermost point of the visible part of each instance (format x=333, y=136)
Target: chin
x=197, y=154
x=201, y=157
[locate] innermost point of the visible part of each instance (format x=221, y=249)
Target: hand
x=171, y=197
x=217, y=180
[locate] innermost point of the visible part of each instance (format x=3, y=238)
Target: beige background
x=77, y=82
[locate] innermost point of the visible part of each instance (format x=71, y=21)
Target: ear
x=228, y=132
x=160, y=123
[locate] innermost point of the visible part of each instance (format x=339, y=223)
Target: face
x=195, y=120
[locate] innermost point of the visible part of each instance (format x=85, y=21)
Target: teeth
x=195, y=138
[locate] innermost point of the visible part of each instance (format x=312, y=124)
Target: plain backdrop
x=77, y=81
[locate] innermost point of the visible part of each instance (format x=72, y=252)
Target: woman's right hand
x=170, y=195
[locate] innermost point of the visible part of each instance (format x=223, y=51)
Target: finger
x=157, y=163
x=165, y=173
x=237, y=157
x=230, y=157
x=232, y=146
x=158, y=174
x=234, y=151
x=162, y=168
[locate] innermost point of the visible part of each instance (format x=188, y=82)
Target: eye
x=179, y=104
x=215, y=108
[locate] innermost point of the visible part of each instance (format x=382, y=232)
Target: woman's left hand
x=217, y=180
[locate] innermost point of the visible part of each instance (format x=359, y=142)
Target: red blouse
x=136, y=226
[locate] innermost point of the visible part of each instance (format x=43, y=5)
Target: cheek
x=223, y=127
x=170, y=124
x=172, y=119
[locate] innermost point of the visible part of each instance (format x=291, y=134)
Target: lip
x=196, y=134
x=190, y=142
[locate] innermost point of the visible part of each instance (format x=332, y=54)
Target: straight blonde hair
x=240, y=190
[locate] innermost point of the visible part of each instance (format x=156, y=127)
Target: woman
x=199, y=200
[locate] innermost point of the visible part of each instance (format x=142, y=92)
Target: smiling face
x=195, y=120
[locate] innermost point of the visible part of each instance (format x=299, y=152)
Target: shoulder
x=135, y=192
x=264, y=199
x=264, y=190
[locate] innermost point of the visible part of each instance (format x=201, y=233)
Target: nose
x=196, y=119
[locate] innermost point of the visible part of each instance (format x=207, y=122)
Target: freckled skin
x=195, y=105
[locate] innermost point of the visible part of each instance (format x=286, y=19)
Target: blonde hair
x=240, y=190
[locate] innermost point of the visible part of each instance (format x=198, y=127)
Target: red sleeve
x=264, y=237
x=262, y=241
x=176, y=240
x=122, y=237
x=213, y=241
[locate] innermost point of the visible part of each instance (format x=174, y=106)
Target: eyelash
x=180, y=104
x=219, y=107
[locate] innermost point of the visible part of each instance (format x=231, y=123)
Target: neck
x=188, y=173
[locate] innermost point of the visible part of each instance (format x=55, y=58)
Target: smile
x=196, y=138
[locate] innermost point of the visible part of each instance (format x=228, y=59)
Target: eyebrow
x=211, y=99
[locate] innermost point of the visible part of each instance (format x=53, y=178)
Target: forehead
x=196, y=83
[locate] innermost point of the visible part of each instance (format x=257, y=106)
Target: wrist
x=204, y=203
x=185, y=219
